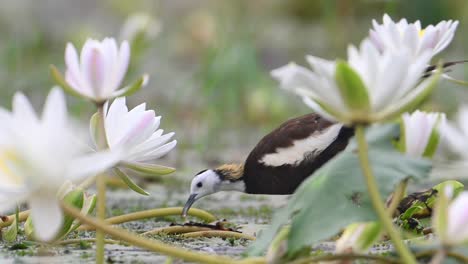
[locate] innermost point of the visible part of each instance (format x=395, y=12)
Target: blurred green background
x=209, y=60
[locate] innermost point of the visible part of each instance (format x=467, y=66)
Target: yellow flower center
x=421, y=32
x=8, y=167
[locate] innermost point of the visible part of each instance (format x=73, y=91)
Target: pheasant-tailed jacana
x=283, y=159
x=280, y=161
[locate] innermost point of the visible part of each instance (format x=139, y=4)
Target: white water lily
x=452, y=226
x=457, y=138
x=98, y=73
x=38, y=155
x=457, y=222
x=399, y=35
x=421, y=133
x=371, y=86
x=136, y=133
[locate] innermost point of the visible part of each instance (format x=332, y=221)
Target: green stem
x=101, y=215
x=351, y=256
x=91, y=240
x=218, y=233
x=428, y=253
x=376, y=199
x=101, y=190
x=397, y=196
x=142, y=242
x=207, y=217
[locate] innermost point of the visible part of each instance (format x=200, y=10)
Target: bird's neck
x=232, y=177
x=227, y=185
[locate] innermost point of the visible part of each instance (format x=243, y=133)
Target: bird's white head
x=206, y=182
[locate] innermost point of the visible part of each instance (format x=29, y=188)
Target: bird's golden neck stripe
x=231, y=171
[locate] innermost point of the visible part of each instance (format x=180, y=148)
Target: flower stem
x=218, y=233
x=433, y=252
x=398, y=195
x=142, y=242
x=376, y=199
x=351, y=256
x=207, y=217
x=101, y=190
x=90, y=240
x=101, y=215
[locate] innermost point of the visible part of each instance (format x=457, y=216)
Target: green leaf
x=96, y=129
x=150, y=169
x=352, y=88
x=433, y=141
x=131, y=89
x=370, y=235
x=60, y=80
x=131, y=184
x=88, y=207
x=11, y=232
x=74, y=198
x=336, y=194
x=29, y=228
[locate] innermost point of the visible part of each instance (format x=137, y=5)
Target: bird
x=279, y=162
x=285, y=157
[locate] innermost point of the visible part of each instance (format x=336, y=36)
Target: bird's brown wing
x=273, y=176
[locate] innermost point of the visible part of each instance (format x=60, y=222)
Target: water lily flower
x=421, y=134
x=98, y=73
x=371, y=86
x=457, y=138
x=135, y=133
x=399, y=35
x=452, y=225
x=38, y=155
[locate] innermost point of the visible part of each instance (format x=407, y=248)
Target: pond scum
x=376, y=91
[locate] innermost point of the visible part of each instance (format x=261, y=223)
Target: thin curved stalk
x=376, y=199
x=175, y=230
x=218, y=233
x=142, y=242
x=92, y=240
x=351, y=256
x=428, y=253
x=397, y=196
x=101, y=214
x=160, y=212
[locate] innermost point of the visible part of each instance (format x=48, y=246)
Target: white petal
x=114, y=121
x=47, y=216
x=140, y=128
x=455, y=140
x=55, y=109
x=93, y=67
x=317, y=109
x=150, y=144
x=22, y=109
x=457, y=228
x=73, y=73
x=123, y=61
x=92, y=164
x=159, y=152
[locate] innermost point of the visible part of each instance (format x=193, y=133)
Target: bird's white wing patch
x=314, y=144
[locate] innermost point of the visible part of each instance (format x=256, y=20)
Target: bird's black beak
x=188, y=204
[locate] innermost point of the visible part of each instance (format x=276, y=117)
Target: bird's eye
x=199, y=184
